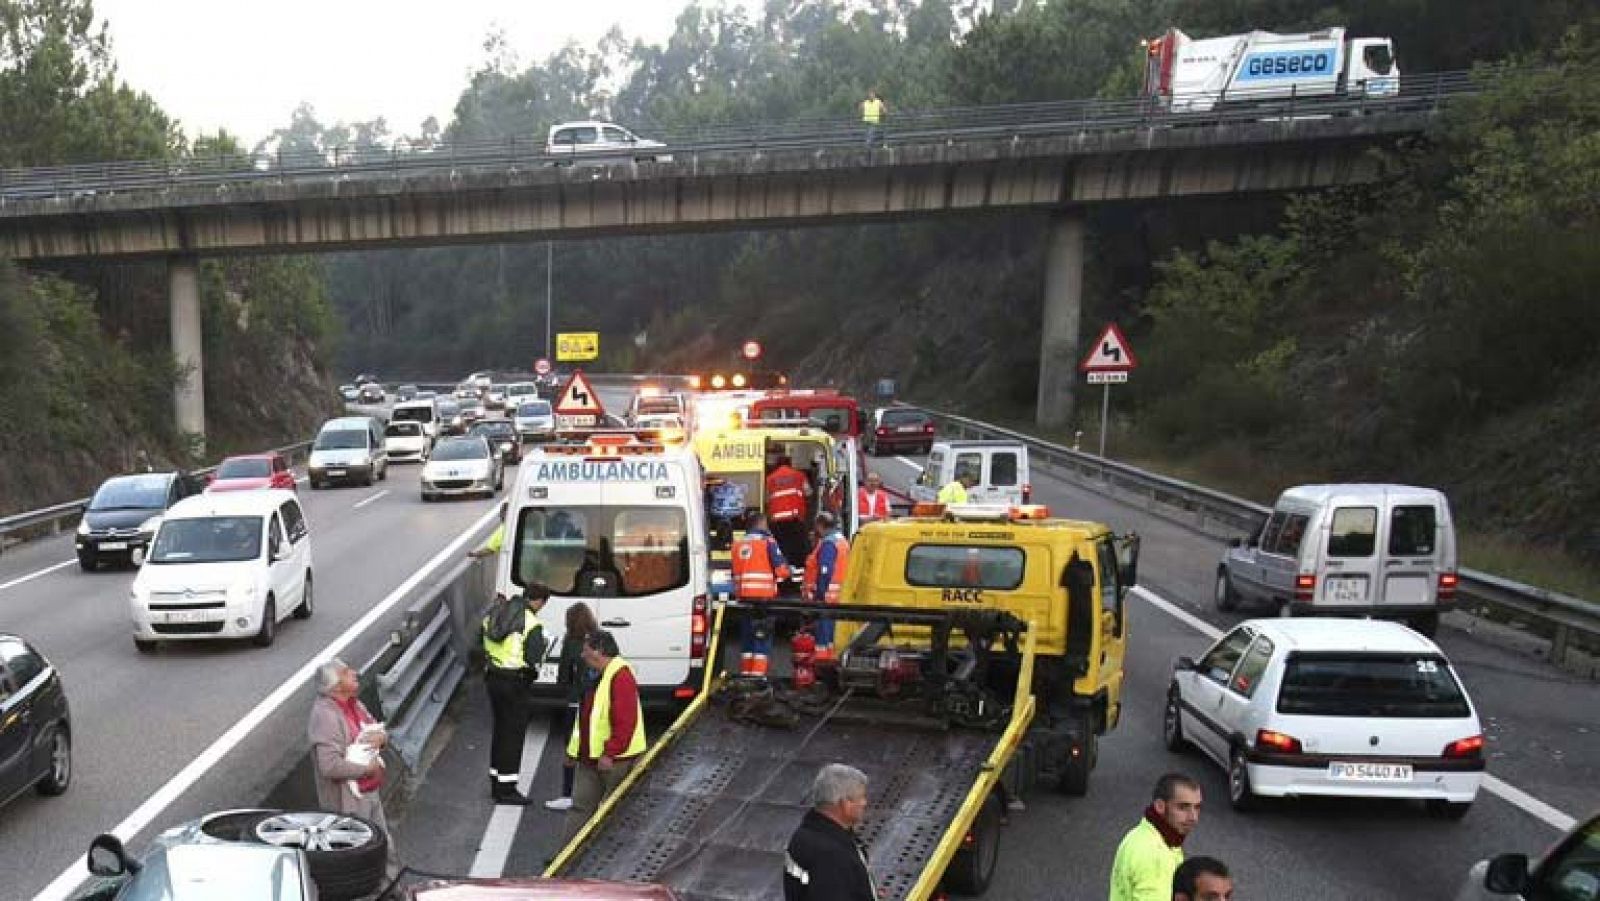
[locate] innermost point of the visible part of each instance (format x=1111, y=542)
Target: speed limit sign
x=541, y=366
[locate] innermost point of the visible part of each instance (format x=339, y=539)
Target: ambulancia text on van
x=618, y=524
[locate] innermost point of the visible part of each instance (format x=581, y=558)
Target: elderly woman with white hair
x=345, y=739
x=825, y=861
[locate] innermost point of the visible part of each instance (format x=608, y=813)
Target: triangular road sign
x=1111, y=353
x=578, y=399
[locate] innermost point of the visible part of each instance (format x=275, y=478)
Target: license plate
x=1369, y=772
x=189, y=616
x=1347, y=590
x=906, y=428
x=113, y=545
x=335, y=472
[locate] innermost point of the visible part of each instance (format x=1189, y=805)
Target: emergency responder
x=609, y=733
x=872, y=110
x=786, y=507
x=514, y=642
x=1151, y=851
x=956, y=491
x=825, y=861
x=1202, y=879
x=872, y=501
x=758, y=565
x=497, y=538
x=824, y=576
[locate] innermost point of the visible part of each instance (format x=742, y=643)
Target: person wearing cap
x=872, y=501
x=824, y=577
x=608, y=736
x=956, y=491
x=514, y=642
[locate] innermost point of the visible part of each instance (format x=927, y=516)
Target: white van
x=619, y=525
x=228, y=565
x=348, y=449
x=422, y=411
x=1001, y=468
x=1365, y=550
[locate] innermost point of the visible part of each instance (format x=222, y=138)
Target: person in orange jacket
x=824, y=577
x=758, y=565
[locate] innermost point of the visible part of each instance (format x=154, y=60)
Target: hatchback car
x=1321, y=706
x=471, y=410
x=252, y=471
x=449, y=418
x=460, y=467
x=371, y=393
x=124, y=514
x=35, y=724
x=224, y=566
x=1570, y=871
x=502, y=438
x=898, y=430
x=406, y=440
x=535, y=420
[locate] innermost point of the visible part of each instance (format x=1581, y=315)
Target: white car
x=462, y=466
x=602, y=142
x=404, y=440
x=1323, y=706
x=519, y=393
x=1568, y=871
x=535, y=420
x=230, y=565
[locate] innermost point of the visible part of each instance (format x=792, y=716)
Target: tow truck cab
x=616, y=523
x=1067, y=578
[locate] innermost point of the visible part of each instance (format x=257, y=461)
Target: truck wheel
x=973, y=866
x=1075, y=774
x=1227, y=599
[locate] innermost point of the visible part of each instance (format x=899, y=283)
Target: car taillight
x=882, y=430
x=1277, y=741
x=683, y=692
x=1305, y=586
x=1469, y=748
x=698, y=628
x=928, y=428
x=1447, y=586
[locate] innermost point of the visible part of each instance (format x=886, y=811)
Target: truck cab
x=1068, y=579
x=837, y=414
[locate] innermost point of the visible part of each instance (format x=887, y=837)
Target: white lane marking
x=1539, y=810
x=495, y=846
x=153, y=806
x=36, y=574
x=362, y=503
x=911, y=463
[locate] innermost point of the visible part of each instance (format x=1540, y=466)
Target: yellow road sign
x=573, y=347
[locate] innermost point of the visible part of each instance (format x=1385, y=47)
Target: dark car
x=35, y=725
x=899, y=429
x=450, y=418
x=124, y=514
x=502, y=438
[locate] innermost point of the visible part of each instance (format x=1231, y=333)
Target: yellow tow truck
x=982, y=653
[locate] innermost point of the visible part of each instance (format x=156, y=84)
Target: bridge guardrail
x=1419, y=93
x=50, y=518
x=1568, y=623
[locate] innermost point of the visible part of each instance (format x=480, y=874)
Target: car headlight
x=151, y=524
x=83, y=527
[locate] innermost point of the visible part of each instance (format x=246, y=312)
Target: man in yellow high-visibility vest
x=872, y=112
x=608, y=734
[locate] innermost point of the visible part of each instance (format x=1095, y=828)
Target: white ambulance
x=618, y=524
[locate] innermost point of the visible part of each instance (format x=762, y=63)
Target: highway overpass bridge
x=1061, y=157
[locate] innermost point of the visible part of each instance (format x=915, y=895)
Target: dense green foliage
x=86, y=371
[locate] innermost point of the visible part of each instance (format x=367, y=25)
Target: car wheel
x=972, y=867
x=306, y=607
x=371, y=477
x=1227, y=599
x=1240, y=795
x=269, y=625
x=88, y=563
x=1172, y=722
x=383, y=472
x=1449, y=810
x=59, y=776
x=146, y=646
x=346, y=854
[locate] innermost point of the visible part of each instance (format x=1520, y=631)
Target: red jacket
x=624, y=706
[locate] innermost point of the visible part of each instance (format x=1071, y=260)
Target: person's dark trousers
x=508, y=704
x=794, y=540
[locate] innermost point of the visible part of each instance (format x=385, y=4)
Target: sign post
x=1108, y=363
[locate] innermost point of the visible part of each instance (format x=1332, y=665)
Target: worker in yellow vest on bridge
x=872, y=112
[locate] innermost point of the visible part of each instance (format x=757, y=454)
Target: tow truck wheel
x=973, y=865
x=1075, y=775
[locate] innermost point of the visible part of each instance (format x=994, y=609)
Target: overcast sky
x=245, y=66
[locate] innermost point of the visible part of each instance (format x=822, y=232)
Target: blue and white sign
x=601, y=471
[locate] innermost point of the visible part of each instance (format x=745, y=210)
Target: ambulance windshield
x=595, y=551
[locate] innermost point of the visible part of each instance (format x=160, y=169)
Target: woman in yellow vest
x=608, y=736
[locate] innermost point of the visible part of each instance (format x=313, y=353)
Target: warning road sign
x=1111, y=353
x=572, y=347
x=578, y=399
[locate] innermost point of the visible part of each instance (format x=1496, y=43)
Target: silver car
x=535, y=420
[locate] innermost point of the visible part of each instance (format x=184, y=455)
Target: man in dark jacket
x=825, y=860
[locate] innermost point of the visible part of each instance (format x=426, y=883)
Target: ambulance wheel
x=972, y=867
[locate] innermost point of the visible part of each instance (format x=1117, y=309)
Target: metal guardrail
x=1418, y=93
x=1570, y=624
x=49, y=519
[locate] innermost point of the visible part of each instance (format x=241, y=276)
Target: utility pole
x=549, y=272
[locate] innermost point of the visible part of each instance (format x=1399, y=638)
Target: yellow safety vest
x=507, y=653
x=600, y=718
x=953, y=493
x=872, y=111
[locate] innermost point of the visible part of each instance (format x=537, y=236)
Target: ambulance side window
x=1110, y=596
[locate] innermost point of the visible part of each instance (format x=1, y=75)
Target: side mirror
x=1185, y=665
x=1507, y=875
x=108, y=859
x=1127, y=548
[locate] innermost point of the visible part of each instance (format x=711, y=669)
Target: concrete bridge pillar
x=1063, y=309
x=183, y=297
